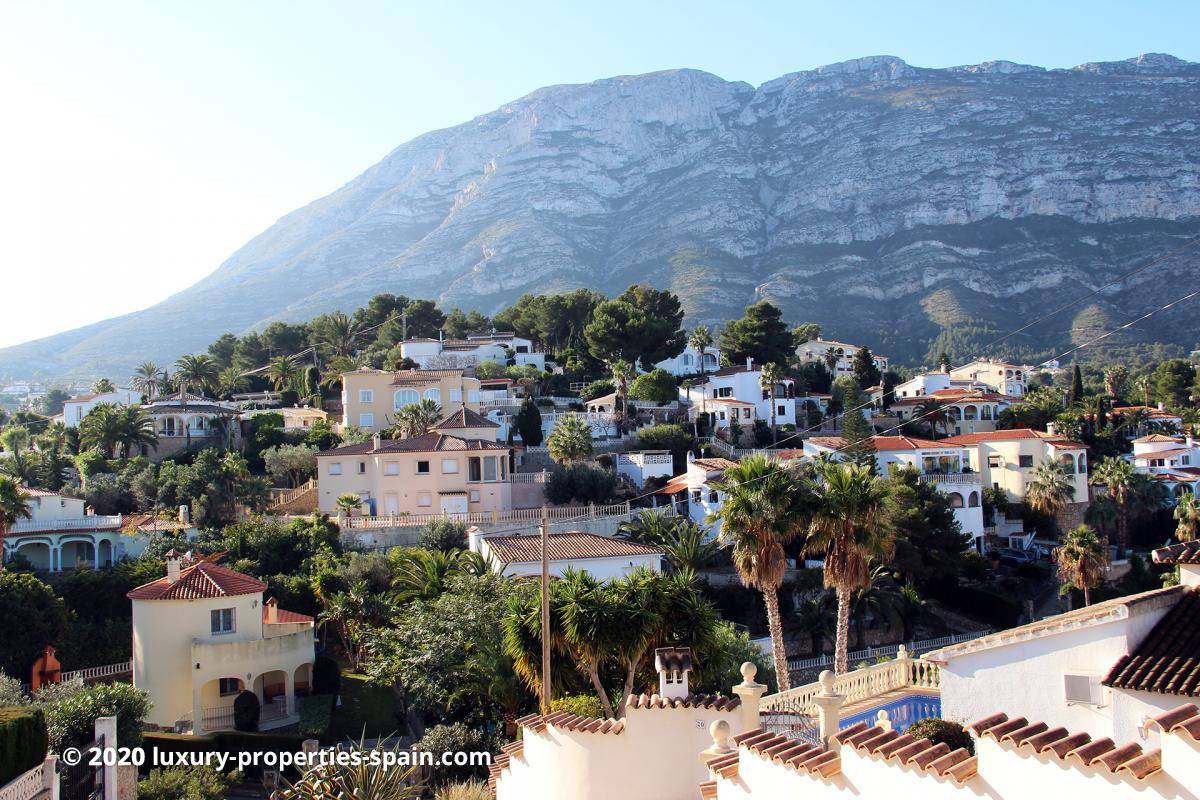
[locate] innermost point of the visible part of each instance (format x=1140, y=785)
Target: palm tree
x=769, y=380
x=816, y=617
x=589, y=620
x=145, y=379
x=1116, y=475
x=848, y=532
x=417, y=418
x=622, y=372
x=1082, y=560
x=101, y=429
x=196, y=373
x=1187, y=517
x=347, y=504
x=700, y=340
x=489, y=673
x=423, y=574
x=282, y=372
x=134, y=430
x=13, y=506
x=103, y=386
x=230, y=381
x=340, y=333
x=1050, y=489
x=1116, y=378
x=22, y=466
x=685, y=544
x=934, y=413
x=571, y=439
x=766, y=505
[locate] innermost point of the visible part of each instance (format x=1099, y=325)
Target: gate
x=82, y=781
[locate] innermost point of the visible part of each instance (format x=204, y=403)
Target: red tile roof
x=1183, y=553
x=283, y=616
x=567, y=721
x=1014, y=434
x=465, y=418
x=717, y=702
x=565, y=547
x=199, y=581
x=1182, y=720
x=889, y=443
x=1167, y=661
x=714, y=464
x=426, y=443
x=1072, y=749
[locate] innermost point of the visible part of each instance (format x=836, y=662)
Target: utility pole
x=545, y=612
x=404, y=326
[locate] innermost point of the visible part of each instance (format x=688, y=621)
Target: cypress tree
x=529, y=423
x=1076, y=385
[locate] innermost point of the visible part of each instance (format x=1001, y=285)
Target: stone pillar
x=829, y=707
x=882, y=720
x=95, y=553
x=50, y=777
x=904, y=666
x=721, y=746
x=127, y=778
x=751, y=694
x=107, y=727
x=197, y=710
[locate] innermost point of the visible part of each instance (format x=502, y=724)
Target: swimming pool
x=903, y=711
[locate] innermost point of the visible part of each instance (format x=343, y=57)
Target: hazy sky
x=143, y=142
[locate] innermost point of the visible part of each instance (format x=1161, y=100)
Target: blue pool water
x=902, y=712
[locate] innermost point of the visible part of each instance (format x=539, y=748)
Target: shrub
x=580, y=483
x=942, y=731
x=456, y=738
x=316, y=715
x=23, y=741
x=444, y=535
x=473, y=790
x=43, y=620
x=71, y=713
x=186, y=783
x=10, y=692
x=657, y=386
x=326, y=676
x=596, y=389
x=529, y=423
x=246, y=711
x=585, y=705
x=676, y=439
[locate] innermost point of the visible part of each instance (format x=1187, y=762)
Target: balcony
x=965, y=478
x=88, y=523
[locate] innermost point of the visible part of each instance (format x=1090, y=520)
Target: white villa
x=602, y=557
x=817, y=349
x=186, y=421
x=60, y=534
x=1002, y=377
x=695, y=488
x=75, y=409
x=1095, y=703
x=1173, y=460
x=455, y=353
x=945, y=466
x=738, y=390
x=1006, y=459
x=689, y=363
x=202, y=634
x=641, y=466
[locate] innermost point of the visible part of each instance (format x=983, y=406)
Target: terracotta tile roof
x=1072, y=749
x=425, y=375
x=1178, y=451
x=567, y=721
x=714, y=464
x=674, y=486
x=465, y=418
x=283, y=616
x=673, y=659
x=31, y=492
x=1182, y=553
x=811, y=759
x=1182, y=720
x=888, y=443
x=565, y=547
x=729, y=401
x=1171, y=476
x=903, y=749
x=708, y=790
x=832, y=442
x=426, y=443
x=1167, y=661
x=1157, y=437
x=199, y=581
x=1117, y=608
x=717, y=702
x=1010, y=435
x=502, y=761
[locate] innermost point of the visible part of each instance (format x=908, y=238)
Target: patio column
x=197, y=710
x=289, y=687
x=751, y=693
x=829, y=708
x=56, y=558
x=95, y=552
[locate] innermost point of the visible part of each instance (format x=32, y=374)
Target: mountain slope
x=849, y=194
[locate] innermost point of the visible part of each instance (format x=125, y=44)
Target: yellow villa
x=202, y=634
x=371, y=397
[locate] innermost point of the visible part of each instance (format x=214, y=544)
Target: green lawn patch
x=364, y=707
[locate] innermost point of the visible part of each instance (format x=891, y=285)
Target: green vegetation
x=23, y=740
x=186, y=783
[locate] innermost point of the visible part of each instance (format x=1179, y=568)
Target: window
x=221, y=620
x=362, y=468
x=230, y=686
x=449, y=466
x=712, y=496
x=424, y=499
x=995, y=462
x=391, y=468
x=745, y=413
x=696, y=496
x=405, y=397
x=366, y=395
x=474, y=473
x=489, y=469
x=781, y=411
x=1156, y=462
x=456, y=395
x=721, y=415
x=434, y=394
x=422, y=467
x=725, y=391
x=366, y=420
x=335, y=468
x=1024, y=462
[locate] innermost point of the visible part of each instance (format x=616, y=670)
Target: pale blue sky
x=143, y=142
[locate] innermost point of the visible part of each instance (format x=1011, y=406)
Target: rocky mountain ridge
x=906, y=207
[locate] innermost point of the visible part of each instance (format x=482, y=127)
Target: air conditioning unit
x=1083, y=690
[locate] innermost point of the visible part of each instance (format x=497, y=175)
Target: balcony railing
x=858, y=685
x=89, y=523
x=951, y=477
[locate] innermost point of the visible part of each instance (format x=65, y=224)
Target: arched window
x=973, y=500
x=985, y=412
x=956, y=500
x=1068, y=461
x=1082, y=465
x=434, y=394
x=405, y=397
x=970, y=413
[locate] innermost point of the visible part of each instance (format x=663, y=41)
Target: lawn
x=364, y=707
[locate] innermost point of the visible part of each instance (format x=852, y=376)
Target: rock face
x=910, y=208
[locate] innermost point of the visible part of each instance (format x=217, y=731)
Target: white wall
x=54, y=508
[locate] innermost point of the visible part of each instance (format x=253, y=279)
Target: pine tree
x=857, y=433
x=944, y=361
x=865, y=371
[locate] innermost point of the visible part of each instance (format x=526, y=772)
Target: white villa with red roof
x=695, y=491
x=202, y=634
x=1172, y=460
x=737, y=393
x=1007, y=460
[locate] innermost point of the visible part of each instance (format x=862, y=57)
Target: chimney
x=673, y=665
x=173, y=561
x=376, y=440
x=475, y=539
x=272, y=607
x=1162, y=407
x=1050, y=428
x=185, y=515
x=1189, y=441
x=749, y=362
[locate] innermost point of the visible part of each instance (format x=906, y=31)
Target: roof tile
x=1167, y=661
x=200, y=581
x=565, y=546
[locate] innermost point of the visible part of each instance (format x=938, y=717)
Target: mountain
x=908, y=208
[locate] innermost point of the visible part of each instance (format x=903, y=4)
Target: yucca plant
x=364, y=781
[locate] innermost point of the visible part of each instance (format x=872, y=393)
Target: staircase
x=301, y=500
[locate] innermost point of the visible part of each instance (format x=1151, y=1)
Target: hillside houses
x=497, y=348
x=75, y=409
x=371, y=397
x=840, y=354
x=736, y=393
x=1003, y=377
x=1172, y=460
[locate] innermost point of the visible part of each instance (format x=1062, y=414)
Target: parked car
x=1012, y=557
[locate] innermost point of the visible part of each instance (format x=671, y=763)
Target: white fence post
x=107, y=727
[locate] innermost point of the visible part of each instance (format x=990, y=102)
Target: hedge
x=23, y=741
x=232, y=742
x=316, y=715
